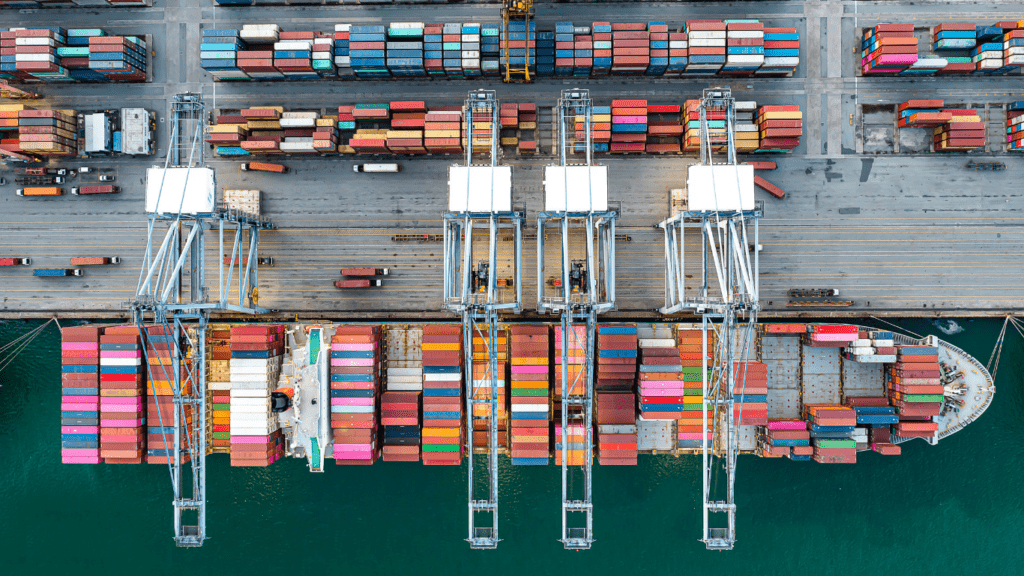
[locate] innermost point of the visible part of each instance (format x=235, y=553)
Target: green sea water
x=956, y=508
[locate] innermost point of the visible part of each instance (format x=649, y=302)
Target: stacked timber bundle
x=690, y=426
x=442, y=394
x=1015, y=126
x=784, y=437
x=832, y=430
x=122, y=436
x=875, y=413
x=914, y=385
x=357, y=368
x=218, y=385
x=256, y=352
x=750, y=393
x=80, y=395
x=400, y=415
x=160, y=406
x=487, y=385
x=531, y=396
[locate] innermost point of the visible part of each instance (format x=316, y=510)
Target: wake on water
x=948, y=327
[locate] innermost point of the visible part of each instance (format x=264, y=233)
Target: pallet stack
x=442, y=394
x=357, y=367
x=690, y=426
x=218, y=385
x=122, y=436
x=80, y=395
x=888, y=49
x=782, y=437
x=914, y=386
x=750, y=393
x=832, y=428
x=481, y=388
x=400, y=416
x=160, y=406
x=531, y=397
x=256, y=352
x=629, y=125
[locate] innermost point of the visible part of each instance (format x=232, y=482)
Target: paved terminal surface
x=897, y=232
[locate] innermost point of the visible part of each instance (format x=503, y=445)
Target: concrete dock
x=899, y=234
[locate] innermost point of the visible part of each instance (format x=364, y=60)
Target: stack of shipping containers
x=888, y=48
x=664, y=127
x=38, y=132
x=706, y=40
x=80, y=395
x=874, y=412
x=616, y=351
x=832, y=427
x=631, y=49
x=481, y=117
x=218, y=385
x=781, y=52
x=629, y=125
x=690, y=427
x=122, y=436
x=531, y=397
x=256, y=352
x=522, y=46
x=490, y=49
x=366, y=52
x=660, y=380
x=442, y=394
x=1015, y=125
x=744, y=53
x=574, y=385
x=750, y=393
x=785, y=437
x=342, y=54
x=780, y=127
x=400, y=416
x=481, y=388
x=357, y=367
x=914, y=386
x=404, y=48
x=160, y=400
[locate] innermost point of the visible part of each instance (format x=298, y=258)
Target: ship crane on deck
x=576, y=201
x=479, y=208
x=514, y=12
x=172, y=297
x=721, y=209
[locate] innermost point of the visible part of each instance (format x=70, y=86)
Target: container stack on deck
x=531, y=397
x=481, y=388
x=875, y=413
x=357, y=368
x=616, y=351
x=122, y=436
x=1015, y=126
x=750, y=393
x=830, y=336
x=690, y=426
x=832, y=429
x=160, y=406
x=256, y=352
x=405, y=359
x=871, y=347
x=400, y=416
x=218, y=385
x=784, y=437
x=442, y=394
x=481, y=117
x=574, y=385
x=660, y=383
x=80, y=395
x=914, y=385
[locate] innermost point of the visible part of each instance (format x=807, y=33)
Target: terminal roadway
x=899, y=235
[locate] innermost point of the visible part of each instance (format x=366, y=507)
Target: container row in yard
x=38, y=132
x=55, y=54
x=461, y=50
x=953, y=129
x=1015, y=126
x=956, y=48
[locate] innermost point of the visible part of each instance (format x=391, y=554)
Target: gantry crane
x=576, y=200
x=480, y=195
x=721, y=208
x=8, y=91
x=180, y=206
x=515, y=11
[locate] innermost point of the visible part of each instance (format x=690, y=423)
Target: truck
x=102, y=189
x=41, y=191
x=377, y=168
x=364, y=283
x=56, y=272
x=365, y=271
x=264, y=167
x=94, y=260
x=15, y=261
x=50, y=171
x=813, y=292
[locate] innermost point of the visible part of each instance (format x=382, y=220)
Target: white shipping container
x=404, y=386
x=470, y=64
x=989, y=55
x=990, y=64
x=883, y=343
x=1015, y=60
x=672, y=44
x=297, y=146
x=250, y=362
x=35, y=41
x=442, y=377
x=1015, y=51
x=705, y=34
x=780, y=61
x=259, y=35
x=655, y=342
x=405, y=372
x=342, y=27
x=322, y=41
x=746, y=127
x=528, y=407
x=861, y=350
x=35, y=58
x=264, y=27
x=219, y=385
x=470, y=54
x=250, y=393
x=470, y=37
x=266, y=75
x=311, y=115
x=298, y=122
x=707, y=42
x=246, y=382
x=404, y=25
x=293, y=45
x=745, y=34
x=744, y=59
x=120, y=361
x=356, y=409
x=745, y=105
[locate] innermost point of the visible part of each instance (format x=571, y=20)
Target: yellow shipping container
x=781, y=115
x=441, y=432
x=227, y=129
x=264, y=125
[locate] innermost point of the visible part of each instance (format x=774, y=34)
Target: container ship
x=359, y=393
